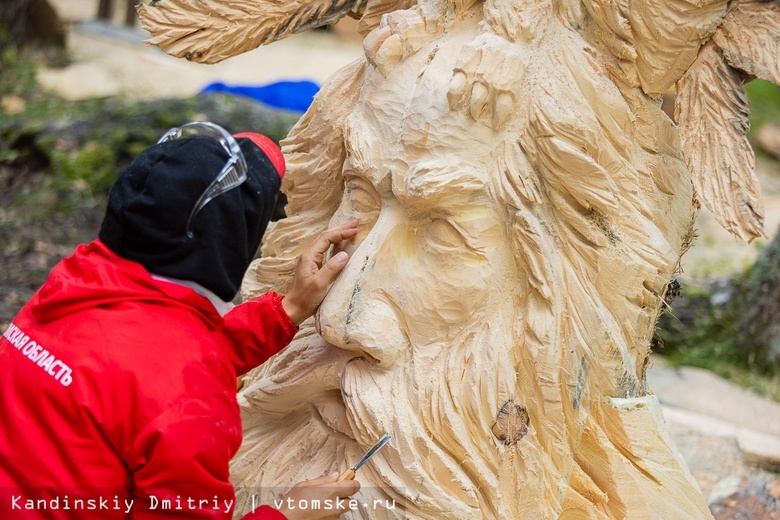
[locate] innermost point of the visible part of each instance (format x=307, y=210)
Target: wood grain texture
x=712, y=110
x=749, y=38
x=210, y=31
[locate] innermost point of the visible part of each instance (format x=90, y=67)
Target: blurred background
x=81, y=95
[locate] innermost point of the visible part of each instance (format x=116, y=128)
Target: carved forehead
x=403, y=136
x=418, y=124
x=410, y=98
x=428, y=159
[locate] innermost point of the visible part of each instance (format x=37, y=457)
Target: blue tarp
x=287, y=95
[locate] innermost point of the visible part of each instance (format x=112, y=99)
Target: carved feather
x=209, y=31
x=712, y=114
x=750, y=39
x=667, y=37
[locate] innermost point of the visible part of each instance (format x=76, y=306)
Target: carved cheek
x=446, y=285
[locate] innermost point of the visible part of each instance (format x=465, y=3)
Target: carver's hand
x=299, y=502
x=312, y=278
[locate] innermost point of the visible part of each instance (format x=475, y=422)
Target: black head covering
x=149, y=205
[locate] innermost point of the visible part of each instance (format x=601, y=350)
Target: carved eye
x=444, y=235
x=361, y=197
x=447, y=236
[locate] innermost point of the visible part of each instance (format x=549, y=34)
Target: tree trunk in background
x=105, y=9
x=737, y=318
x=29, y=21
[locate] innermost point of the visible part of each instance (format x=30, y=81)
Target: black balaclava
x=148, y=209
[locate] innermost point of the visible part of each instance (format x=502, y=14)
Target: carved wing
x=209, y=31
x=712, y=112
x=667, y=36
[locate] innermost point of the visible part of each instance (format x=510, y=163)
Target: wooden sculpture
x=524, y=202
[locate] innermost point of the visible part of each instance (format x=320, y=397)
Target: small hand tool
x=350, y=473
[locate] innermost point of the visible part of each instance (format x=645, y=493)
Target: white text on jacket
x=39, y=355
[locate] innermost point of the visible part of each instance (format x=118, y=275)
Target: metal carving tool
x=350, y=473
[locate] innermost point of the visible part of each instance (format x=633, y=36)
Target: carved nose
x=358, y=313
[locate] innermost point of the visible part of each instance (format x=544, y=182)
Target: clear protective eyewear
x=233, y=174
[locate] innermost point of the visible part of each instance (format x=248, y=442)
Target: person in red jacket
x=118, y=378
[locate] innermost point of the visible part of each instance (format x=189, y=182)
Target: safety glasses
x=233, y=174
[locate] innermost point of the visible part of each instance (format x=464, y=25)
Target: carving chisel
x=350, y=473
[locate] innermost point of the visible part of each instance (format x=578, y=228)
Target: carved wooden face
x=520, y=213
x=432, y=257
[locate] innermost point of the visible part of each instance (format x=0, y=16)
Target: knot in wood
x=511, y=423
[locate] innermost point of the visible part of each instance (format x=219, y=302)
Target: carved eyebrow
x=439, y=182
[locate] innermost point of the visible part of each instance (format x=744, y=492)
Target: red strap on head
x=269, y=148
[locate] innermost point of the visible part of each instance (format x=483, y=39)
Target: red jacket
x=118, y=392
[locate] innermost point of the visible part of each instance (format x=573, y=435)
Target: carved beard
x=438, y=403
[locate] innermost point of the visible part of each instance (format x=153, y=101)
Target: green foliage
x=18, y=73
x=764, y=103
x=699, y=330
x=703, y=330
x=83, y=146
x=18, y=79
x=88, y=173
